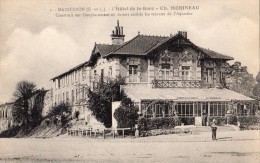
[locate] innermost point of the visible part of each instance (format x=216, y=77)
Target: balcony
x=176, y=84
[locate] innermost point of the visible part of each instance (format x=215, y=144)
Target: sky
x=36, y=45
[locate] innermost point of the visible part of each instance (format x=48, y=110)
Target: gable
x=178, y=43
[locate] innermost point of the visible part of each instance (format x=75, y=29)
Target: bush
x=158, y=123
x=251, y=120
x=221, y=121
x=59, y=114
x=231, y=119
x=126, y=117
x=100, y=99
x=188, y=120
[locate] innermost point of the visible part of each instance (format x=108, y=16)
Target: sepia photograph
x=130, y=81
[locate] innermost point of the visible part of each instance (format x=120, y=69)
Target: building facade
x=6, y=119
x=165, y=76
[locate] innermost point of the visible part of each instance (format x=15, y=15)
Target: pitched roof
x=104, y=49
x=143, y=44
x=139, y=92
x=138, y=45
x=216, y=55
x=70, y=70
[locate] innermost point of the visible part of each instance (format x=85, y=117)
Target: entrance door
x=204, y=113
x=201, y=113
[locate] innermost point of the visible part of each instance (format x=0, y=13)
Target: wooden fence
x=94, y=132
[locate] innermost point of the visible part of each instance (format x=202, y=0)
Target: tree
x=256, y=90
x=101, y=98
x=24, y=91
x=28, y=104
x=239, y=80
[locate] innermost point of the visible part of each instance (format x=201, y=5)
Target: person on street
x=214, y=129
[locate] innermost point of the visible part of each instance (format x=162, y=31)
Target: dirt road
x=238, y=147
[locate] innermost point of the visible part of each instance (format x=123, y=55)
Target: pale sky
x=35, y=45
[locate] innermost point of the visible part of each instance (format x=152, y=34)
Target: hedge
x=188, y=120
x=158, y=123
x=251, y=120
x=221, y=121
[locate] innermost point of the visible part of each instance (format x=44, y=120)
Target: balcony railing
x=176, y=84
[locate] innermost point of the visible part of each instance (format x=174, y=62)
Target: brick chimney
x=117, y=35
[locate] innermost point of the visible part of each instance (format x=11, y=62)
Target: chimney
x=117, y=35
x=183, y=33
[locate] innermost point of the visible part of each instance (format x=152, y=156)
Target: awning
x=141, y=92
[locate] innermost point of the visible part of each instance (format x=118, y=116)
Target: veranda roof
x=141, y=92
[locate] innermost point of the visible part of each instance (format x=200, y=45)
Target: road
x=239, y=147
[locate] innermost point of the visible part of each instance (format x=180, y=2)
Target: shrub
x=188, y=120
x=221, y=121
x=126, y=117
x=146, y=124
x=101, y=98
x=251, y=120
x=59, y=113
x=231, y=119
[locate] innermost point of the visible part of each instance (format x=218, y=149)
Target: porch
x=190, y=103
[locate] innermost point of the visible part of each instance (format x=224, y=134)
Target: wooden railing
x=90, y=132
x=176, y=84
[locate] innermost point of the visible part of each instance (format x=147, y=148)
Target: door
x=132, y=73
x=209, y=75
x=185, y=72
x=165, y=74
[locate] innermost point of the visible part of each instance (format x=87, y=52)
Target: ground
x=231, y=146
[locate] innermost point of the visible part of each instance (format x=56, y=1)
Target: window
x=58, y=98
x=209, y=76
x=110, y=71
x=76, y=76
x=184, y=109
x=84, y=73
x=72, y=77
x=132, y=73
x=76, y=94
x=58, y=83
x=185, y=73
x=218, y=109
x=197, y=109
x=72, y=96
x=67, y=96
x=102, y=74
x=83, y=93
x=165, y=70
x=55, y=100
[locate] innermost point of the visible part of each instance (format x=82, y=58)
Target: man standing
x=214, y=130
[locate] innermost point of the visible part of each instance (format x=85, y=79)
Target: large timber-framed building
x=164, y=76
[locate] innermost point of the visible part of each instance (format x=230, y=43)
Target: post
x=123, y=133
x=113, y=131
x=104, y=133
